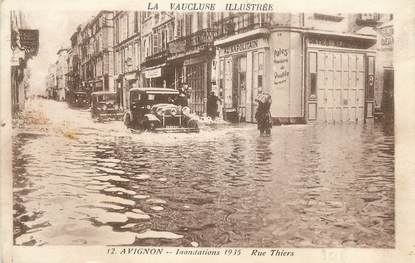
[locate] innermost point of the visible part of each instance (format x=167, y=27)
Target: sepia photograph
x=199, y=129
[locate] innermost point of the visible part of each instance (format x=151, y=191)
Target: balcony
x=196, y=42
x=155, y=59
x=238, y=24
x=370, y=20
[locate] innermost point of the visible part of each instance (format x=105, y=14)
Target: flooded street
x=305, y=186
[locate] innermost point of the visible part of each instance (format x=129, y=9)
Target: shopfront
x=197, y=72
x=340, y=78
x=241, y=70
x=311, y=76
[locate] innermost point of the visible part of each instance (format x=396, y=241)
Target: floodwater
x=305, y=186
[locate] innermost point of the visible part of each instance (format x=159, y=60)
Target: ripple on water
x=119, y=189
x=110, y=171
x=106, y=178
x=135, y=215
x=157, y=208
x=142, y=176
x=141, y=196
x=156, y=201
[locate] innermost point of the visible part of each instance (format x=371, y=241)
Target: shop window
x=371, y=65
x=260, y=61
x=221, y=68
x=313, y=74
x=259, y=81
x=199, y=21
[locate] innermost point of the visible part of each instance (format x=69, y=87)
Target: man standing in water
x=263, y=114
x=212, y=105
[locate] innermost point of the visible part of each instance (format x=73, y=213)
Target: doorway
x=388, y=89
x=239, y=89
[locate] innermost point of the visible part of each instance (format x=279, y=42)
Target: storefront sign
x=16, y=56
x=241, y=47
x=342, y=43
x=154, y=73
x=281, y=68
x=130, y=76
x=29, y=40
x=386, y=38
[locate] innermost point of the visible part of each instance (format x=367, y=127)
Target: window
x=188, y=22
x=199, y=21
x=170, y=32
x=371, y=77
x=260, y=69
x=261, y=61
x=313, y=74
x=135, y=21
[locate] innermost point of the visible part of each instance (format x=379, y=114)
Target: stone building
x=51, y=82
x=24, y=45
x=318, y=67
x=61, y=73
x=96, y=69
x=315, y=66
x=127, y=53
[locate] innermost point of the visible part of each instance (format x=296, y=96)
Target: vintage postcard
x=192, y=131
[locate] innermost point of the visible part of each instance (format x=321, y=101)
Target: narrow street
x=81, y=182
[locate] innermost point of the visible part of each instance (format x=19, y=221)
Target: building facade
x=51, y=82
x=191, y=55
x=384, y=96
x=24, y=45
x=96, y=66
x=318, y=67
x=127, y=53
x=313, y=70
x=61, y=74
x=74, y=65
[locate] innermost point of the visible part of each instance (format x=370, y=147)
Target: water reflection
x=305, y=186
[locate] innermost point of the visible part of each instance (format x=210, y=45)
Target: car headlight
x=148, y=107
x=186, y=110
x=104, y=107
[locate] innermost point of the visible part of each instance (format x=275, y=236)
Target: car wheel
x=149, y=126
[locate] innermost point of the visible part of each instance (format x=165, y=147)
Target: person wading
x=263, y=114
x=212, y=105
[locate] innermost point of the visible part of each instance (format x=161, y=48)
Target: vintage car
x=80, y=99
x=104, y=105
x=154, y=109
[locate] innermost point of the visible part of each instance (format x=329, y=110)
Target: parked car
x=104, y=105
x=154, y=109
x=80, y=99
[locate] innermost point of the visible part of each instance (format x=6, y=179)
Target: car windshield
x=150, y=98
x=106, y=98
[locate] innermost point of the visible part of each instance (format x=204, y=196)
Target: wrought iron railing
x=241, y=23
x=200, y=39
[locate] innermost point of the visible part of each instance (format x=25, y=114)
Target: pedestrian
x=182, y=98
x=212, y=105
x=263, y=114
